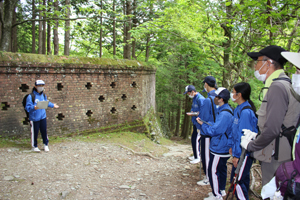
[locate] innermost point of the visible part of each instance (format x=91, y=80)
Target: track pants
x=205, y=141
x=243, y=178
x=217, y=173
x=35, y=128
x=195, y=142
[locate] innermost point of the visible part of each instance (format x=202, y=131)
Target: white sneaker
x=195, y=161
x=203, y=182
x=223, y=193
x=36, y=149
x=213, y=198
x=46, y=148
x=191, y=158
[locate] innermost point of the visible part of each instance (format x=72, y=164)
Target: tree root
x=140, y=153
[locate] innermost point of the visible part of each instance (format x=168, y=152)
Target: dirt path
x=80, y=170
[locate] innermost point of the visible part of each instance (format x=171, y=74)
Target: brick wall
x=91, y=92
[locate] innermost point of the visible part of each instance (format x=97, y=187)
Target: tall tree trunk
x=1, y=11
x=49, y=31
x=67, y=30
x=7, y=17
x=101, y=31
x=134, y=24
x=40, y=50
x=178, y=113
x=127, y=28
x=185, y=131
x=55, y=30
x=14, y=40
x=114, y=28
x=227, y=33
x=44, y=29
x=33, y=27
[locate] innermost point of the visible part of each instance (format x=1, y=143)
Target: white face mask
x=205, y=89
x=40, y=89
x=296, y=83
x=231, y=97
x=191, y=96
x=261, y=77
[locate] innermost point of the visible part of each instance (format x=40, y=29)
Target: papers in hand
x=192, y=113
x=42, y=104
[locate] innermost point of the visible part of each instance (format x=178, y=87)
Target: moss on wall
x=66, y=61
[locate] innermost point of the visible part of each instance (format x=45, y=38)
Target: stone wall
x=91, y=92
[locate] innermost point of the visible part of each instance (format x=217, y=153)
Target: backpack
x=32, y=98
x=288, y=180
x=287, y=175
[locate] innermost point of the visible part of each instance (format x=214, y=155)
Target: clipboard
x=42, y=104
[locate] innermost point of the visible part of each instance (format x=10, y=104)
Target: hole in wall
x=89, y=113
x=133, y=107
x=4, y=105
x=88, y=85
x=113, y=110
x=60, y=116
x=26, y=121
x=59, y=86
x=24, y=87
x=133, y=84
x=101, y=98
x=124, y=97
x=113, y=84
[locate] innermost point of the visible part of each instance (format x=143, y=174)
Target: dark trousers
x=243, y=178
x=195, y=142
x=217, y=173
x=205, y=141
x=35, y=128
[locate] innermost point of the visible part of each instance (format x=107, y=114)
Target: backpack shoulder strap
x=246, y=107
x=283, y=79
x=228, y=111
x=32, y=97
x=212, y=107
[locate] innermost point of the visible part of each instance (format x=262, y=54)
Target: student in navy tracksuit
x=244, y=118
x=208, y=114
x=221, y=141
x=196, y=107
x=37, y=116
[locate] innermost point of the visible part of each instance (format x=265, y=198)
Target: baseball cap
x=210, y=80
x=272, y=51
x=223, y=93
x=39, y=82
x=189, y=88
x=294, y=58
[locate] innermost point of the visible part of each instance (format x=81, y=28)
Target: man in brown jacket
x=279, y=110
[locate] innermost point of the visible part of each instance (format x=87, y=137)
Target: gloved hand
x=244, y=142
x=249, y=134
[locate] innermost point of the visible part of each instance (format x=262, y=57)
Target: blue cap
x=189, y=88
x=223, y=93
x=210, y=80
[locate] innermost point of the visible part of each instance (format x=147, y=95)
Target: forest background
x=186, y=40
